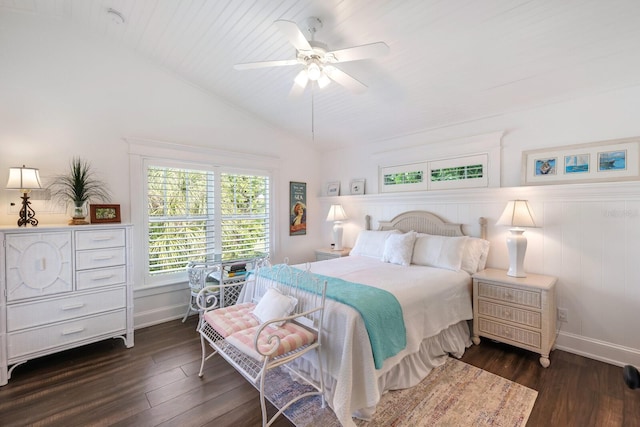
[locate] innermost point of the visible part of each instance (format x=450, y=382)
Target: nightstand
x=328, y=253
x=520, y=311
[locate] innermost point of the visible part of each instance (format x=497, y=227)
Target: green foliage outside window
x=456, y=173
x=183, y=217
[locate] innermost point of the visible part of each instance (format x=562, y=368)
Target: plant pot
x=79, y=214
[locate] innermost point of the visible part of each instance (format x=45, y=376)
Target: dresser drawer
x=26, y=315
x=513, y=295
x=516, y=315
x=95, y=278
x=512, y=333
x=48, y=337
x=94, y=239
x=100, y=258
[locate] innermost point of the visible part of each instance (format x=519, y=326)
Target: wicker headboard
x=425, y=222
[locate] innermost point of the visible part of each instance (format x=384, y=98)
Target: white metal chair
x=198, y=272
x=254, y=348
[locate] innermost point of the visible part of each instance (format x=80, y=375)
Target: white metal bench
x=255, y=336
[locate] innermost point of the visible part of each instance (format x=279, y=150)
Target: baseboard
x=157, y=316
x=597, y=350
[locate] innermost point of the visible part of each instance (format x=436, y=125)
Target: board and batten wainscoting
x=588, y=237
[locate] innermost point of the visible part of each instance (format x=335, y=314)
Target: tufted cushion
x=292, y=336
x=232, y=319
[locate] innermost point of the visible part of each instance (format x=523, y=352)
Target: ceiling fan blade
x=293, y=34
x=359, y=52
x=264, y=64
x=344, y=79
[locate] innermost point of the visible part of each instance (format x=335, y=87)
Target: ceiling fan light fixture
x=313, y=71
x=323, y=81
x=301, y=79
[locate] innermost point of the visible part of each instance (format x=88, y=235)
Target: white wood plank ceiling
x=450, y=61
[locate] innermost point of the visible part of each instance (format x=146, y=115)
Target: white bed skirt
x=407, y=373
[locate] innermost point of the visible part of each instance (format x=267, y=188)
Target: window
x=455, y=172
x=198, y=215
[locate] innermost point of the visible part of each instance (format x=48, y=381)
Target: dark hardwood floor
x=156, y=383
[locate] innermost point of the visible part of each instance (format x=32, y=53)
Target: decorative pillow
x=475, y=251
x=398, y=248
x=371, y=243
x=274, y=305
x=439, y=251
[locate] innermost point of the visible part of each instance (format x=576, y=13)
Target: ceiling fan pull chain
x=313, y=133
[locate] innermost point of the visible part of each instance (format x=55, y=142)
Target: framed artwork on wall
x=104, y=213
x=298, y=208
x=614, y=160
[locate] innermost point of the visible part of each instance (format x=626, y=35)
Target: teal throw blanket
x=380, y=310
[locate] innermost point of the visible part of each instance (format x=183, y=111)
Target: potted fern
x=79, y=186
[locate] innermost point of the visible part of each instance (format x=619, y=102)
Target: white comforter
x=432, y=300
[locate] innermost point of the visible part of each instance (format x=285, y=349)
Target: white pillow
x=371, y=243
x=398, y=248
x=475, y=254
x=274, y=305
x=439, y=251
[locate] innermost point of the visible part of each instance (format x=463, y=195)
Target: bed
x=426, y=264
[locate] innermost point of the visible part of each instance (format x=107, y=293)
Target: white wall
x=589, y=235
x=65, y=93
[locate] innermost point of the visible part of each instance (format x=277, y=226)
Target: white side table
x=328, y=253
x=517, y=311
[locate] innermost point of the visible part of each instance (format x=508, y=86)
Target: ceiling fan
x=317, y=61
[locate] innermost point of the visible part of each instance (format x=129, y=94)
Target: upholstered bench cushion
x=231, y=319
x=292, y=336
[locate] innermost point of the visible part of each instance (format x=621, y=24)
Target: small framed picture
x=333, y=188
x=357, y=186
x=104, y=213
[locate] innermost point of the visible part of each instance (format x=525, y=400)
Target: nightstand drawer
x=512, y=295
x=523, y=336
x=516, y=315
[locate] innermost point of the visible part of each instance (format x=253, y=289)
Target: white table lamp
x=337, y=215
x=517, y=214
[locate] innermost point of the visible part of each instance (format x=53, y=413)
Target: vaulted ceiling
x=450, y=61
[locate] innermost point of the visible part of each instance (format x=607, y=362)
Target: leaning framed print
x=357, y=186
x=297, y=208
x=333, y=188
x=104, y=213
x=613, y=160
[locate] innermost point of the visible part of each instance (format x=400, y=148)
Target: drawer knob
x=506, y=313
x=72, y=331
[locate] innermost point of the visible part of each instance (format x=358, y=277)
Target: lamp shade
x=336, y=213
x=23, y=178
x=517, y=214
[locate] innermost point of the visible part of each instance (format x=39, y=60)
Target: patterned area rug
x=454, y=394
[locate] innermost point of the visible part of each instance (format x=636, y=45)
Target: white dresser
x=516, y=311
x=63, y=287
